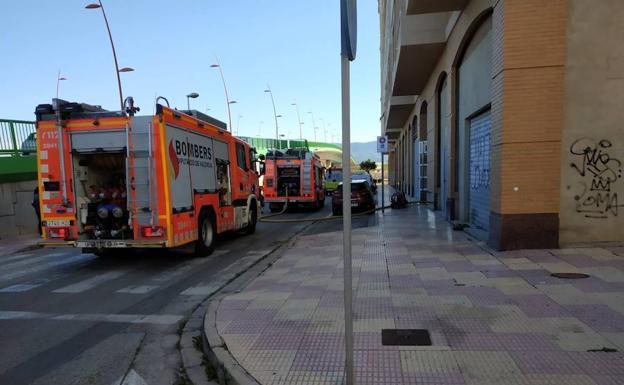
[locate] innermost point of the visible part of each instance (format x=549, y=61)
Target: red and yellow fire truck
x=117, y=180
x=295, y=176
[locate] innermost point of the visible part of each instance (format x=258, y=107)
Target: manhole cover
x=570, y=275
x=405, y=337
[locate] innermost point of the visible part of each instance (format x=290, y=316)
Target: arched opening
x=472, y=123
x=422, y=116
x=421, y=184
x=442, y=140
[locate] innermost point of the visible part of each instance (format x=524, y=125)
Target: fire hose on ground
x=331, y=217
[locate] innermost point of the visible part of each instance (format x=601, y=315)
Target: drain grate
x=570, y=275
x=405, y=337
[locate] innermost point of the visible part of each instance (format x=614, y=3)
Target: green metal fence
x=17, y=138
x=264, y=144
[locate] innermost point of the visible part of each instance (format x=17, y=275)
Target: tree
x=368, y=165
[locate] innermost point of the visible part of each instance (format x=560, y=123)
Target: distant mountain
x=363, y=151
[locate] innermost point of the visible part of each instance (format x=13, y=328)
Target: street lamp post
x=260, y=128
x=227, y=97
x=238, y=124
x=324, y=130
x=313, y=124
x=188, y=99
x=58, y=82
x=268, y=90
x=110, y=36
x=299, y=120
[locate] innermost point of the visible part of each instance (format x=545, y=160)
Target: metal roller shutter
x=479, y=196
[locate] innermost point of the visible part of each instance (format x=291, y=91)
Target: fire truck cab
x=110, y=179
x=295, y=177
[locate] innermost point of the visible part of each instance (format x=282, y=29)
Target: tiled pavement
x=495, y=318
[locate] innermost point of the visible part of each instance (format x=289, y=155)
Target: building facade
x=508, y=115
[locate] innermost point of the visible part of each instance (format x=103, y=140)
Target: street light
x=298, y=119
x=227, y=97
x=110, y=36
x=58, y=81
x=313, y=124
x=268, y=90
x=324, y=130
x=238, y=124
x=188, y=99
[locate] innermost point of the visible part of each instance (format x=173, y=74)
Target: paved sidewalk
x=17, y=243
x=495, y=318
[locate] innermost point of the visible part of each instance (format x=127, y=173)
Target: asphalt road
x=73, y=318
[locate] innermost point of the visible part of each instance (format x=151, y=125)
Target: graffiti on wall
x=600, y=171
x=480, y=161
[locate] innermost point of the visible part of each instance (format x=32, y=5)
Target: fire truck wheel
x=253, y=219
x=206, y=242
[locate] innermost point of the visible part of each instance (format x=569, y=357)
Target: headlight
x=118, y=212
x=102, y=213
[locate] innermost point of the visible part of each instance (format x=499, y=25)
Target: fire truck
x=110, y=179
x=295, y=177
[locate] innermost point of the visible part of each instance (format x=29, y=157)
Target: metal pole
x=299, y=120
x=110, y=36
x=58, y=81
x=346, y=218
x=313, y=124
x=383, y=203
x=188, y=103
x=274, y=113
x=227, y=97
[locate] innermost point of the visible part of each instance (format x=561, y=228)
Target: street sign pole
x=382, y=148
x=346, y=220
x=382, y=186
x=348, y=38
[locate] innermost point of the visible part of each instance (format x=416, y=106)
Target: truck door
x=225, y=211
x=242, y=188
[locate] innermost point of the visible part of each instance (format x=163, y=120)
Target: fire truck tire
x=205, y=243
x=253, y=219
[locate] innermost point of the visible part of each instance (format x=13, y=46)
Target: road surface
x=73, y=318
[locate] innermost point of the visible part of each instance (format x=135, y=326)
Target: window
x=240, y=156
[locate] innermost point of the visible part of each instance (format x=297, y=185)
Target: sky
x=291, y=45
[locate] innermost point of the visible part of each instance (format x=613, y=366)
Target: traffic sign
x=382, y=144
x=348, y=28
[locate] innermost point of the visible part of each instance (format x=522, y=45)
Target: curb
x=194, y=332
x=194, y=359
x=229, y=371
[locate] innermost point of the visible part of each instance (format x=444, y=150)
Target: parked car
x=367, y=177
x=361, y=197
x=29, y=145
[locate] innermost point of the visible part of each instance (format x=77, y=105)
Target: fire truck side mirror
x=262, y=168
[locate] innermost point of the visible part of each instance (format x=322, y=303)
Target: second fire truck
x=295, y=177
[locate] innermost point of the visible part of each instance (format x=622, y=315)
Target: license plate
x=354, y=204
x=102, y=243
x=57, y=223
